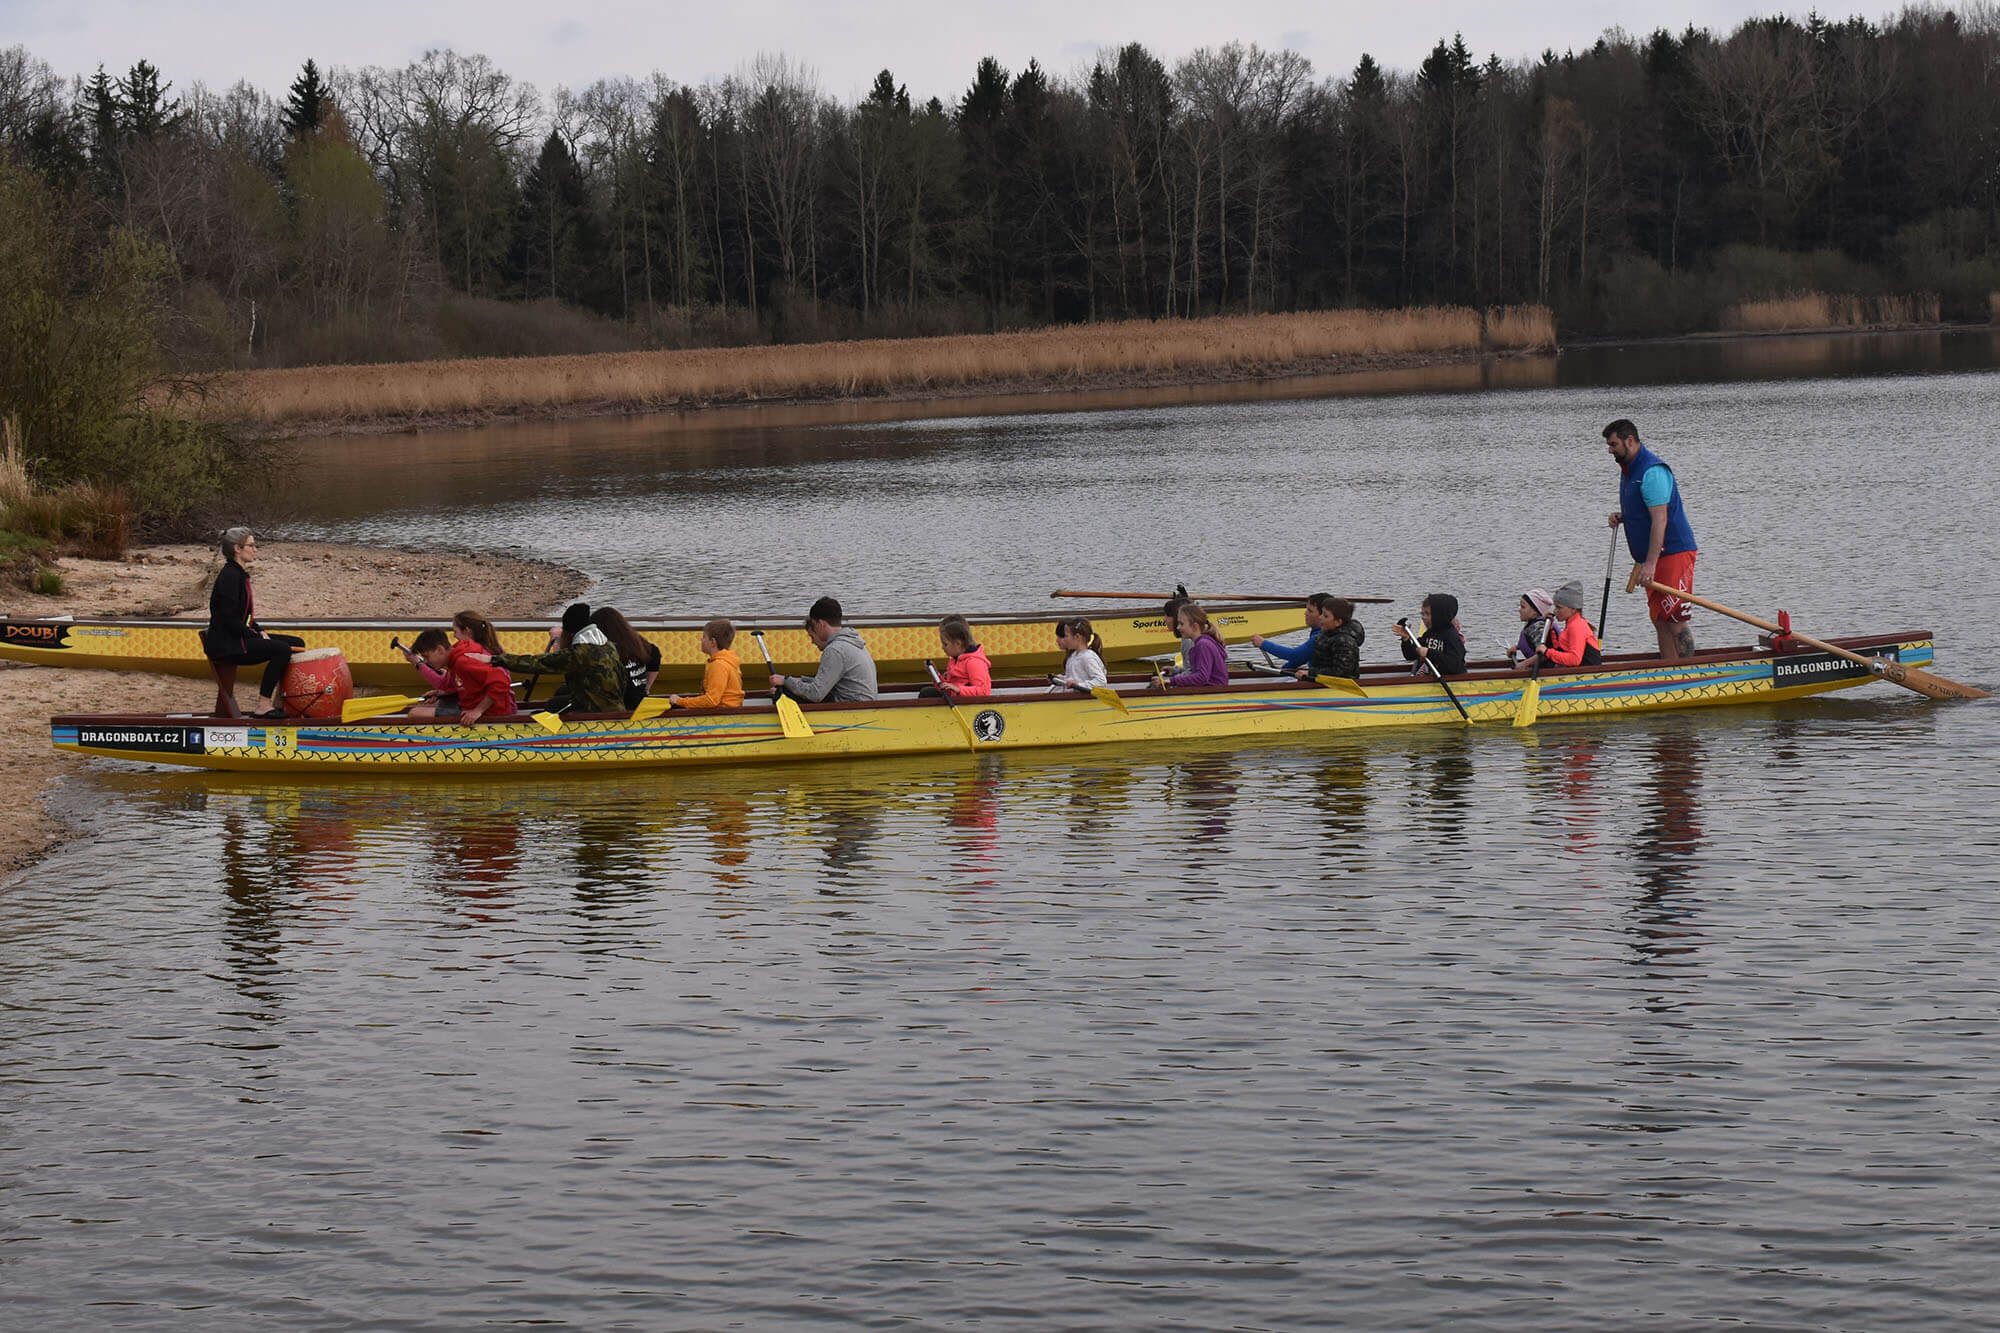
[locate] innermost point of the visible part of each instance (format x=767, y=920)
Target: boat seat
x=225, y=688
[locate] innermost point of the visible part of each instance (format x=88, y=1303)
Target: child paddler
x=1572, y=642
x=1438, y=641
x=1299, y=655
x=1207, y=659
x=1337, y=647
x=722, y=678
x=593, y=677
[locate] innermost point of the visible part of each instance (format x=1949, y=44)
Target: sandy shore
x=296, y=579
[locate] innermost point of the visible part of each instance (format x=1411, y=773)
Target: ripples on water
x=1685, y=1018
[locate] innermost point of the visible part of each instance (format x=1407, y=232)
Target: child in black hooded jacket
x=1439, y=641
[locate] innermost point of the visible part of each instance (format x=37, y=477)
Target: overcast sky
x=931, y=46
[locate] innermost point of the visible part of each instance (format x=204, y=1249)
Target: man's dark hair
x=429, y=639
x=1339, y=608
x=1317, y=601
x=826, y=609
x=1621, y=429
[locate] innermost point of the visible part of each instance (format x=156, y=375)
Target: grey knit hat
x=1570, y=595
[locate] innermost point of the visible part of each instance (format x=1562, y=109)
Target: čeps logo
x=37, y=634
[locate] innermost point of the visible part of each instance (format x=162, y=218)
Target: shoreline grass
x=1060, y=357
x=1804, y=311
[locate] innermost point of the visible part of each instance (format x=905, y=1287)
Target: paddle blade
x=375, y=705
x=651, y=706
x=1923, y=682
x=1345, y=684
x=1104, y=694
x=1531, y=705
x=792, y=719
x=549, y=722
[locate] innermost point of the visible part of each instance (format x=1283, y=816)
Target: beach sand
x=292, y=578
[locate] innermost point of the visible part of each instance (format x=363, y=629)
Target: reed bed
x=1831, y=310
x=1059, y=356
x=86, y=516
x=1993, y=306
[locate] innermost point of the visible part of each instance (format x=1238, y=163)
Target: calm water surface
x=1686, y=1020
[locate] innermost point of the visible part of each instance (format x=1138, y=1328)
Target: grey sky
x=932, y=47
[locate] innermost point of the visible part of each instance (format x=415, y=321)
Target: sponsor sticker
x=36, y=634
x=168, y=740
x=1813, y=668
x=989, y=725
x=225, y=738
x=101, y=633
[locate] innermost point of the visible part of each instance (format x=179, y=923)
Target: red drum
x=317, y=683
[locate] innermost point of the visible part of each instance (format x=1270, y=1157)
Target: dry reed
x=1831, y=310
x=15, y=485
x=1071, y=356
x=1993, y=306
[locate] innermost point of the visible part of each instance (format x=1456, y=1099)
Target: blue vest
x=1639, y=519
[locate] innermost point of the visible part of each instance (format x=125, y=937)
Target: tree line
x=1635, y=186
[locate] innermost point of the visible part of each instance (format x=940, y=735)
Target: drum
x=317, y=684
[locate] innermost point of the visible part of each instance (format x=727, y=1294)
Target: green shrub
x=48, y=582
x=79, y=361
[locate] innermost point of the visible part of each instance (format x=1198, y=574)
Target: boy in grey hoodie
x=846, y=671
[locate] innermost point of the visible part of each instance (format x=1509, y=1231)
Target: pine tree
x=306, y=107
x=143, y=99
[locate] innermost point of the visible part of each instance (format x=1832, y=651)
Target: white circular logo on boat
x=989, y=725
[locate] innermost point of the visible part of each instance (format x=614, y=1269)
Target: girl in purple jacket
x=1208, y=660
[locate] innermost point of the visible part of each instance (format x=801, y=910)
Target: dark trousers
x=275, y=652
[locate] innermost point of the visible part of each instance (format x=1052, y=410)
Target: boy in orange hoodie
x=722, y=679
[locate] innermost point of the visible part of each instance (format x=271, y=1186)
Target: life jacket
x=1638, y=519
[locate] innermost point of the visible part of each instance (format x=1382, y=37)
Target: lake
x=1684, y=1019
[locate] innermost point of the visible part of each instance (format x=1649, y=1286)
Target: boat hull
x=1016, y=644
x=1008, y=721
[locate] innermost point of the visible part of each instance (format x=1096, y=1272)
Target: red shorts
x=1677, y=572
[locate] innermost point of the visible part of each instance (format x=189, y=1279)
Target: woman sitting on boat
x=233, y=636
x=1207, y=658
x=1440, y=644
x=1083, y=669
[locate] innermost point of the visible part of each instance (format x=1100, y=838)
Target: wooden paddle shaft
x=1910, y=678
x=1206, y=597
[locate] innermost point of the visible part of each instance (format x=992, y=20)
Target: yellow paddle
x=1345, y=684
x=549, y=722
x=651, y=707
x=1104, y=694
x=791, y=718
x=374, y=705
x=1530, y=706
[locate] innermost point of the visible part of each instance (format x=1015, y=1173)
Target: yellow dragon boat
x=1015, y=643
x=1019, y=715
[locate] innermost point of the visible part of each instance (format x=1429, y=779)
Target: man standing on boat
x=1657, y=534
x=846, y=671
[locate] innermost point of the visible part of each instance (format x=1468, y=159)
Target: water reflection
x=1666, y=925
x=1340, y=792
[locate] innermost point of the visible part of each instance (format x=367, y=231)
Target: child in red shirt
x=482, y=689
